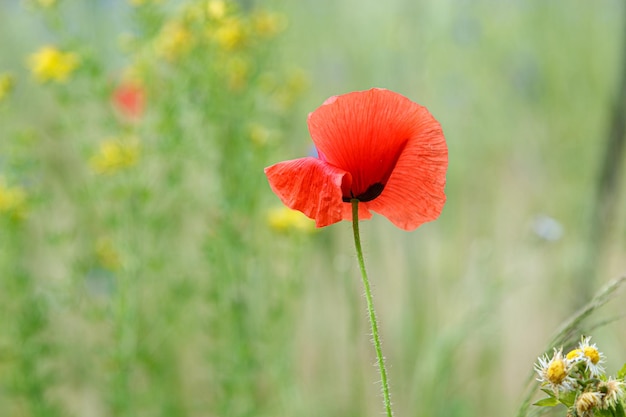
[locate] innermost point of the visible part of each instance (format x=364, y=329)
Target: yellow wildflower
x=12, y=200
x=45, y=4
x=259, y=134
x=268, y=24
x=283, y=219
x=40, y=4
x=137, y=3
x=592, y=353
x=230, y=34
x=574, y=354
x=51, y=64
x=237, y=70
x=554, y=372
x=174, y=41
x=216, y=9
x=6, y=85
x=294, y=84
x=107, y=256
x=589, y=354
x=297, y=81
x=115, y=155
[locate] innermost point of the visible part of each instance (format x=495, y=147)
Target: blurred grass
x=208, y=311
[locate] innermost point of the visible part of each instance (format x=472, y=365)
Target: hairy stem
x=370, y=308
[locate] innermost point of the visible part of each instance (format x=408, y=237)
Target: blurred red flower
x=129, y=100
x=376, y=146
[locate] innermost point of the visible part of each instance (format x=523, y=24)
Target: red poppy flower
x=129, y=100
x=376, y=146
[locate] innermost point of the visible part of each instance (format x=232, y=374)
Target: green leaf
x=568, y=398
x=547, y=402
x=621, y=374
x=603, y=413
x=618, y=411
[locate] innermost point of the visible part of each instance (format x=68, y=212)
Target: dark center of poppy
x=371, y=193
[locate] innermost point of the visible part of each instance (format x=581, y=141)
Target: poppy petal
x=414, y=193
x=311, y=186
x=364, y=132
x=376, y=146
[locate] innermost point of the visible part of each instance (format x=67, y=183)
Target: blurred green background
x=147, y=270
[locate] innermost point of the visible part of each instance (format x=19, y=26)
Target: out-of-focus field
x=145, y=266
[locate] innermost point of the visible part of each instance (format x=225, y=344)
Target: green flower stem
x=370, y=307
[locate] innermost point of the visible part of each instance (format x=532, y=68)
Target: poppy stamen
x=371, y=193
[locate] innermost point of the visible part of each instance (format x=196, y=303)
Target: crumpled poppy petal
x=364, y=132
x=414, y=193
x=311, y=186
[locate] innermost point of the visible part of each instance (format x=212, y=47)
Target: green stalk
x=370, y=308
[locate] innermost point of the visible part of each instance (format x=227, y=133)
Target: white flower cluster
x=578, y=381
